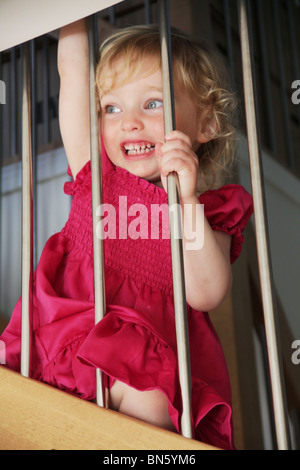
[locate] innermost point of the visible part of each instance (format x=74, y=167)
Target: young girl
x=135, y=343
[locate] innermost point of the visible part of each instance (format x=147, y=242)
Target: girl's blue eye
x=153, y=104
x=111, y=109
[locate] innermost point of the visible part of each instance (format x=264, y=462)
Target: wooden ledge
x=35, y=416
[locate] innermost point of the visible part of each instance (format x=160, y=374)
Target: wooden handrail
x=35, y=416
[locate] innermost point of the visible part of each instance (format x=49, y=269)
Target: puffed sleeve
x=229, y=209
x=81, y=184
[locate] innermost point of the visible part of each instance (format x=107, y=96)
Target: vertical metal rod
x=33, y=93
x=147, y=8
x=295, y=55
x=45, y=55
x=27, y=194
x=13, y=94
x=34, y=147
x=291, y=25
x=112, y=15
x=266, y=76
x=263, y=252
x=229, y=42
x=175, y=228
x=3, y=98
x=283, y=87
x=96, y=170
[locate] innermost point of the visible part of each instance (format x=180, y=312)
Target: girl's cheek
x=158, y=152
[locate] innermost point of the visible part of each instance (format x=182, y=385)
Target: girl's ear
x=208, y=129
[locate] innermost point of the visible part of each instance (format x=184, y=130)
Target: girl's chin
x=151, y=176
x=143, y=168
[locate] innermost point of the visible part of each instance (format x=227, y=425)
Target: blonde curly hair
x=199, y=69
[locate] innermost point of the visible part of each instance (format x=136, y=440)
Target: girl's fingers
x=177, y=141
x=176, y=155
x=178, y=135
x=180, y=164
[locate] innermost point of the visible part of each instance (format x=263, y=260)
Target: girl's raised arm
x=74, y=94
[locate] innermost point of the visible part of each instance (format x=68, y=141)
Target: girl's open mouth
x=138, y=149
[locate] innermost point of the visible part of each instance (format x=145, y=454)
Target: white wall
x=52, y=211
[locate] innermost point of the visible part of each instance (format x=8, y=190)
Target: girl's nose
x=132, y=120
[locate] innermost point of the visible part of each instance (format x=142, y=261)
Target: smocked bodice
x=137, y=240
x=136, y=235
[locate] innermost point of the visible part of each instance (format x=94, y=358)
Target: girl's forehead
x=122, y=70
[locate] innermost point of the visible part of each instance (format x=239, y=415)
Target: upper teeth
x=136, y=148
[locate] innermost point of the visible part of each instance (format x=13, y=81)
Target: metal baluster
x=229, y=42
x=175, y=228
x=261, y=230
x=34, y=147
x=13, y=106
x=96, y=170
x=283, y=87
x=27, y=194
x=2, y=102
x=266, y=76
x=45, y=62
x=147, y=8
x=112, y=15
x=294, y=44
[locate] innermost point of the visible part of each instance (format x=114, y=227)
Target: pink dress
x=135, y=342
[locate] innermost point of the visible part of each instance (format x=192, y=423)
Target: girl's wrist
x=191, y=199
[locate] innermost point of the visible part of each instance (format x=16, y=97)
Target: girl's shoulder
x=227, y=197
x=116, y=181
x=82, y=182
x=229, y=209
